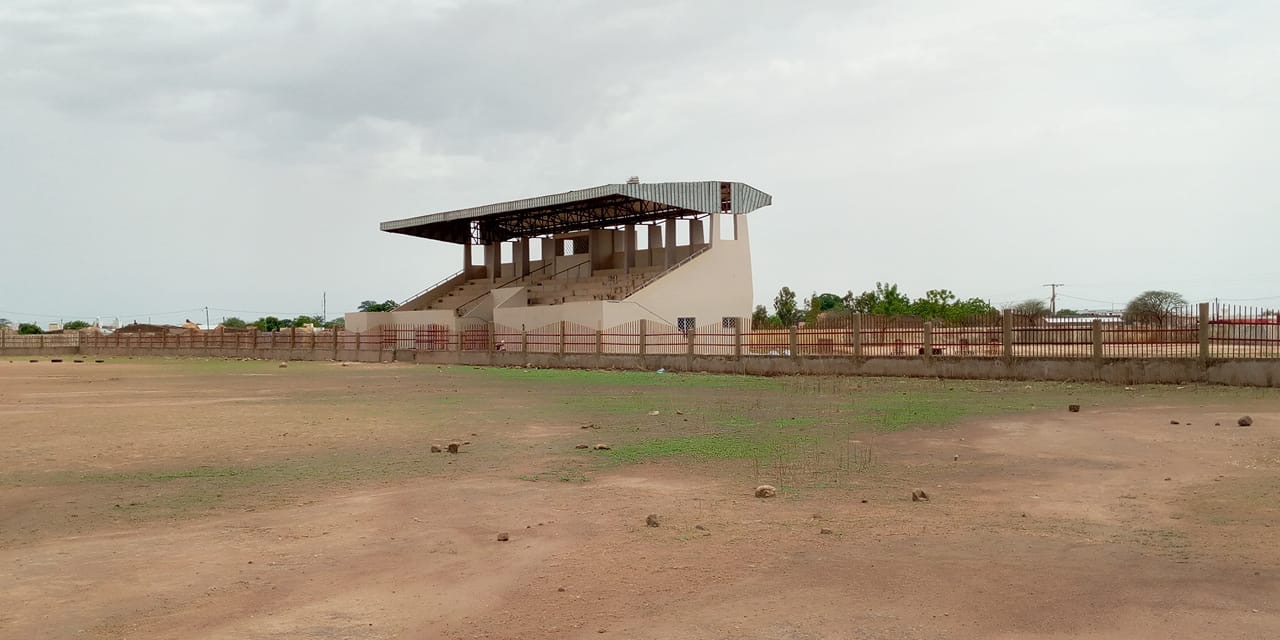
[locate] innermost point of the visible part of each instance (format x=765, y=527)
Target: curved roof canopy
x=604, y=206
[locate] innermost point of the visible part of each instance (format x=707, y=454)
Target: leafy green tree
x=336, y=323
x=27, y=328
x=75, y=325
x=373, y=306
x=935, y=305
x=760, y=317
x=302, y=321
x=269, y=323
x=1153, y=307
x=820, y=304
x=234, y=323
x=884, y=300
x=1068, y=313
x=784, y=307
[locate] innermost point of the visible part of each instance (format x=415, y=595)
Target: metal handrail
x=428, y=289
x=671, y=268
x=463, y=314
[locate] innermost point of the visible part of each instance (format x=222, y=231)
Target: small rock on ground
x=652, y=520
x=453, y=447
x=699, y=527
x=826, y=531
x=766, y=491
x=435, y=448
x=504, y=536
x=919, y=496
x=1073, y=408
x=602, y=447
x=1173, y=422
x=583, y=446
x=1244, y=421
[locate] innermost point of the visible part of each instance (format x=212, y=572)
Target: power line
x=1053, y=296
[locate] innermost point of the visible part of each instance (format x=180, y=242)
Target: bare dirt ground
x=211, y=499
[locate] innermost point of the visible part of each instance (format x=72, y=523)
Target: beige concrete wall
x=715, y=284
x=362, y=322
x=586, y=313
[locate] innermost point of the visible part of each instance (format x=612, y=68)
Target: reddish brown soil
x=1109, y=523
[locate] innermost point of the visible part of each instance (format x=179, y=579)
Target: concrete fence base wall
x=1237, y=372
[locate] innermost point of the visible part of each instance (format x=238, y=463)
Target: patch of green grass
x=739, y=422
x=578, y=377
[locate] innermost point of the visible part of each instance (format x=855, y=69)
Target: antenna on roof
x=633, y=180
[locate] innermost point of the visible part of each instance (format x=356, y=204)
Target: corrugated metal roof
x=692, y=197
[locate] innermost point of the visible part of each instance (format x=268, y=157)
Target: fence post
x=1097, y=339
x=857, y=335
x=644, y=334
x=794, y=341
x=336, y=331
x=524, y=340
x=599, y=341
x=1006, y=332
x=562, y=337
x=42, y=342
x=1204, y=332
x=293, y=338
x=928, y=341
x=691, y=340
x=737, y=339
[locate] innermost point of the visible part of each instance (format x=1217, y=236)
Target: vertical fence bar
x=857, y=335
x=1095, y=329
x=561, y=347
x=794, y=341
x=644, y=333
x=737, y=338
x=691, y=340
x=599, y=341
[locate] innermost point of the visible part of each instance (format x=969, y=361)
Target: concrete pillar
x=628, y=248
x=857, y=335
x=696, y=233
x=655, y=245
x=1096, y=331
x=644, y=332
x=927, y=350
x=795, y=342
x=692, y=338
x=466, y=259
x=670, y=246
x=715, y=228
x=561, y=349
x=1204, y=332
x=1006, y=332
x=599, y=342
x=737, y=338
x=492, y=254
x=520, y=257
x=548, y=256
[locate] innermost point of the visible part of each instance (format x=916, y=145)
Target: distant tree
x=1153, y=307
x=269, y=323
x=821, y=303
x=884, y=300
x=302, y=321
x=760, y=317
x=935, y=304
x=27, y=328
x=336, y=323
x=75, y=325
x=234, y=323
x=1068, y=313
x=373, y=306
x=1033, y=307
x=784, y=307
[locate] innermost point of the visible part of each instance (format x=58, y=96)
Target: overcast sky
x=163, y=156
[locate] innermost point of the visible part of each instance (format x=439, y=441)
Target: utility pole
x=1053, y=297
x=324, y=306
x=206, y=319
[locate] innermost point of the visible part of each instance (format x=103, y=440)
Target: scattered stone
x=345, y=364
x=466, y=442
x=826, y=531
x=435, y=448
x=651, y=520
x=590, y=426
x=504, y=536
x=699, y=527
x=864, y=501
x=1167, y=479
x=284, y=365
x=55, y=360
x=78, y=361
x=679, y=413
x=653, y=413
x=919, y=496
x=1173, y=422
x=453, y=447
x=1244, y=421
x=817, y=516
x=1217, y=424
x=766, y=491
x=35, y=361
x=583, y=446
x=1073, y=408
x=561, y=589
x=956, y=458
x=99, y=361
x=602, y=447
